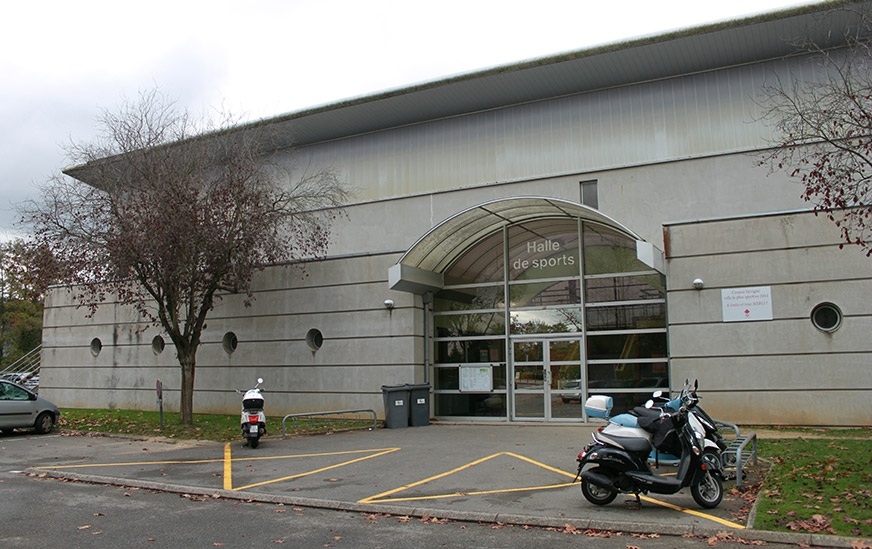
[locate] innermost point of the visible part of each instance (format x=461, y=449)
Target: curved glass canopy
x=421, y=267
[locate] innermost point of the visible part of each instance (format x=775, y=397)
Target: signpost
x=160, y=402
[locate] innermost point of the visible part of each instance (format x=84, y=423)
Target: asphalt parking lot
x=496, y=473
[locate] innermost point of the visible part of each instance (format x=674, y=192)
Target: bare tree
x=824, y=132
x=167, y=215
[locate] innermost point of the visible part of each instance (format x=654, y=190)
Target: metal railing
x=335, y=418
x=25, y=370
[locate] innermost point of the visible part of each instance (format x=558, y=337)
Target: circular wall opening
x=96, y=346
x=826, y=317
x=229, y=342
x=314, y=339
x=157, y=345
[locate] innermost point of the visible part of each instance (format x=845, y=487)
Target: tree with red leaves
x=824, y=132
x=166, y=215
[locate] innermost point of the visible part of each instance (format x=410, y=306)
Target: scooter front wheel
x=708, y=491
x=597, y=494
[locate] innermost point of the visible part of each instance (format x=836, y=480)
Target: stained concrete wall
x=365, y=345
x=784, y=370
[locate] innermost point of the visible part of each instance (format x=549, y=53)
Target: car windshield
x=12, y=392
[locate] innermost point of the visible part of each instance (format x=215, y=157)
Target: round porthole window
x=96, y=346
x=157, y=345
x=229, y=342
x=314, y=339
x=826, y=317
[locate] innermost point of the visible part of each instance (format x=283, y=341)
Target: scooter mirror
x=649, y=404
x=260, y=380
x=658, y=394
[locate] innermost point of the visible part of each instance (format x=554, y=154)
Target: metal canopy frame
x=444, y=243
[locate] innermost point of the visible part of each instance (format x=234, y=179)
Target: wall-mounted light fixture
x=389, y=304
x=698, y=284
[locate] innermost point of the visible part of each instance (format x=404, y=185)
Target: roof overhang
x=421, y=267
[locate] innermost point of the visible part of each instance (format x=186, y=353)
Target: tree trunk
x=188, y=361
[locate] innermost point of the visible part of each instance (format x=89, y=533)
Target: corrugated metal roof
x=709, y=47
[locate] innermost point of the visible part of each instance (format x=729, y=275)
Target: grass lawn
x=219, y=428
x=817, y=485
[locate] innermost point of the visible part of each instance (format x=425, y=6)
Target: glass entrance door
x=546, y=376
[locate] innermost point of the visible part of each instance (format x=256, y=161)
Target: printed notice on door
x=747, y=304
x=476, y=378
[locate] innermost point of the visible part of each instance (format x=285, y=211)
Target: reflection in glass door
x=546, y=377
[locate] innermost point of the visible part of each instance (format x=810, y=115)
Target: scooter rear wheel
x=253, y=442
x=708, y=492
x=597, y=494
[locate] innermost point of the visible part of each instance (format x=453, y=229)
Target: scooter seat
x=641, y=411
x=631, y=444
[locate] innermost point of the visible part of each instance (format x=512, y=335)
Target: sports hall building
x=596, y=222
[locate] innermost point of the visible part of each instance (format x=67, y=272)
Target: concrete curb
x=816, y=540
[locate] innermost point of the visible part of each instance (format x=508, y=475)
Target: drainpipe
x=427, y=298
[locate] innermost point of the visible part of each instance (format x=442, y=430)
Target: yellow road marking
x=228, y=469
x=460, y=494
x=694, y=513
x=185, y=462
x=387, y=451
x=382, y=498
x=407, y=486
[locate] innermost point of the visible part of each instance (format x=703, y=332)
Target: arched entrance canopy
x=421, y=267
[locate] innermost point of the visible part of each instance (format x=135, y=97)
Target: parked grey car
x=20, y=408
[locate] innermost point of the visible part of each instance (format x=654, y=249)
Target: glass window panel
x=565, y=377
x=542, y=294
x=626, y=317
x=551, y=321
x=547, y=248
x=467, y=299
x=625, y=288
x=528, y=351
x=623, y=402
x=566, y=407
x=627, y=376
x=481, y=263
x=565, y=350
x=470, y=404
x=529, y=378
x=477, y=324
x=446, y=378
x=471, y=351
x=607, y=251
x=620, y=346
x=530, y=405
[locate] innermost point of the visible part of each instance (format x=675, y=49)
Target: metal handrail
x=333, y=413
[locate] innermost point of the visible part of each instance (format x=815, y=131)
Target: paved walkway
x=491, y=473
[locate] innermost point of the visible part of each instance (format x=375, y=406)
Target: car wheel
x=44, y=422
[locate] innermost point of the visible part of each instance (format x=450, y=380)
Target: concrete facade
x=679, y=145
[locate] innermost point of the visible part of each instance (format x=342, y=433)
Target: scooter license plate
x=252, y=429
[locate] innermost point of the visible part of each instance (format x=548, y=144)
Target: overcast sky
x=63, y=61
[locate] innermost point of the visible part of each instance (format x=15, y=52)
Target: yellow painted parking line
x=197, y=461
x=461, y=494
x=228, y=469
x=381, y=497
x=385, y=451
x=171, y=462
x=694, y=513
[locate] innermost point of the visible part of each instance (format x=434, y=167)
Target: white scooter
x=253, y=419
